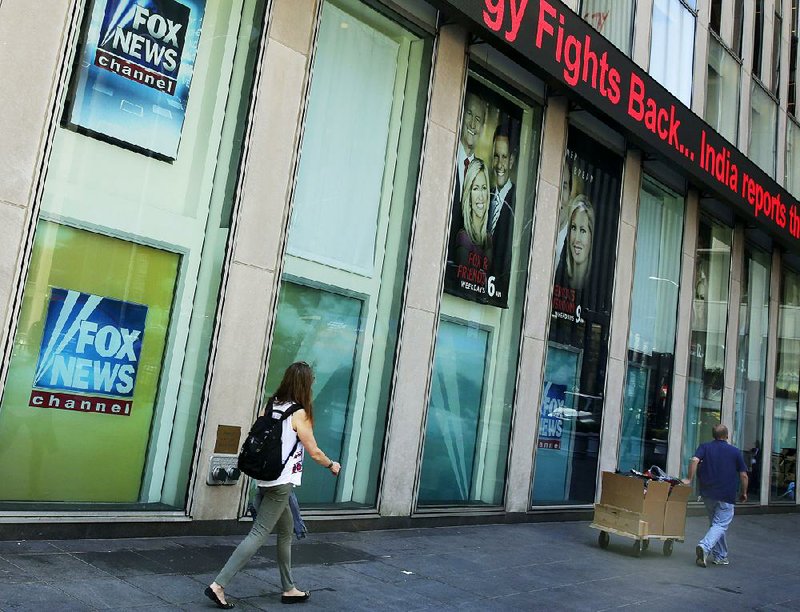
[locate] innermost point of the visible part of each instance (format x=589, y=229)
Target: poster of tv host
x=479, y=253
x=587, y=234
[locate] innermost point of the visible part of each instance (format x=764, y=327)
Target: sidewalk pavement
x=534, y=566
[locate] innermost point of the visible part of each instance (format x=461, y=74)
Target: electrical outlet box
x=223, y=470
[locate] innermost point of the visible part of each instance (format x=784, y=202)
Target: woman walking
x=274, y=511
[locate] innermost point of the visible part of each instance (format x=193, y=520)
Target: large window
x=469, y=416
x=793, y=50
x=758, y=38
x=672, y=47
x=344, y=270
x=763, y=129
x=613, y=19
x=651, y=338
x=573, y=396
x=726, y=21
x=707, y=339
x=722, y=100
x=783, y=456
x=777, y=26
x=104, y=386
x=751, y=363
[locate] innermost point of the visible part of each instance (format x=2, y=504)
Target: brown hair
x=296, y=387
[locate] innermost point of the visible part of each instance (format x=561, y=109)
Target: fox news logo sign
x=551, y=423
x=143, y=40
x=90, y=345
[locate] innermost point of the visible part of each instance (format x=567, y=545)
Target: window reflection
x=651, y=341
x=763, y=129
x=783, y=459
x=722, y=101
x=707, y=339
x=751, y=363
x=672, y=47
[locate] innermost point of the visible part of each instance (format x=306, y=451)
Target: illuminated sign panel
x=549, y=37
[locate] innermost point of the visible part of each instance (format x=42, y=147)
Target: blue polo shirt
x=718, y=472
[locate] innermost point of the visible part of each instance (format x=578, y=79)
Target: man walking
x=717, y=465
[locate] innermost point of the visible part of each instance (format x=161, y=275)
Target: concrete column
x=537, y=308
x=643, y=20
x=727, y=25
x=772, y=367
x=685, y=303
x=30, y=73
x=421, y=307
x=766, y=42
x=786, y=36
x=743, y=137
x=732, y=329
x=254, y=272
x=700, y=68
x=620, y=315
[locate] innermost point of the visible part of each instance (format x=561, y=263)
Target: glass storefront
x=651, y=337
x=573, y=396
x=104, y=386
x=783, y=456
x=707, y=336
x=751, y=363
x=471, y=401
x=347, y=246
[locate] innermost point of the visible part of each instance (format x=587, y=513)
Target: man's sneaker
x=701, y=556
x=722, y=561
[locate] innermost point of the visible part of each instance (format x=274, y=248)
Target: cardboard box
x=624, y=502
x=675, y=513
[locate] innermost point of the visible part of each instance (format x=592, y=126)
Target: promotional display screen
x=134, y=72
x=479, y=253
x=83, y=381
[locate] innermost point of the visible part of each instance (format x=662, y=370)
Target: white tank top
x=293, y=470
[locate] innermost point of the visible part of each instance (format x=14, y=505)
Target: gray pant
x=273, y=512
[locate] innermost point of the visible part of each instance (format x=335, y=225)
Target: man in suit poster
x=501, y=210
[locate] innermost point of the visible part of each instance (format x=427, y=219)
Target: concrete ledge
x=115, y=528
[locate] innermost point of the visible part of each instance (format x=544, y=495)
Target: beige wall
x=428, y=244
x=28, y=71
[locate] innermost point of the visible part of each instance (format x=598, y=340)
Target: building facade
x=519, y=244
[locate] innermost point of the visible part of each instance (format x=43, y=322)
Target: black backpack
x=261, y=456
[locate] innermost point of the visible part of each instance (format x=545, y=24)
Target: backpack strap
x=285, y=415
x=290, y=411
